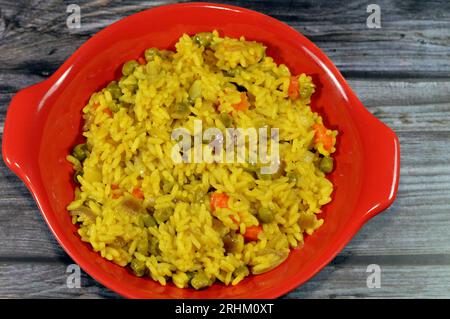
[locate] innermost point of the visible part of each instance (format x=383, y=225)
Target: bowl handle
x=21, y=126
x=381, y=160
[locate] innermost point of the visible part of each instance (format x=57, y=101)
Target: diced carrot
x=114, y=186
x=243, y=104
x=293, y=90
x=141, y=61
x=96, y=105
x=321, y=136
x=138, y=193
x=328, y=142
x=108, y=111
x=252, y=232
x=219, y=200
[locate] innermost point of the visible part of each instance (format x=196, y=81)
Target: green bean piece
x=233, y=243
x=179, y=111
x=265, y=215
x=326, y=165
x=153, y=246
x=226, y=119
x=150, y=54
x=163, y=214
x=129, y=67
x=200, y=281
x=203, y=39
x=195, y=90
x=114, y=89
x=80, y=152
x=149, y=220
x=166, y=54
x=138, y=267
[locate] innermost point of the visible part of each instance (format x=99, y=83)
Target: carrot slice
x=138, y=193
x=252, y=232
x=219, y=200
x=243, y=104
x=114, y=186
x=293, y=90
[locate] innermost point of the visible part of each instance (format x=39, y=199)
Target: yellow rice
x=131, y=149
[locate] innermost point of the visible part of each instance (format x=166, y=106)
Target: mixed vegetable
x=299, y=88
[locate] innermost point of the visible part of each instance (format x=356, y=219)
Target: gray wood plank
x=346, y=280
x=414, y=38
x=42, y=280
x=350, y=281
x=401, y=72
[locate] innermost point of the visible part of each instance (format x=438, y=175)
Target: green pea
x=265, y=215
x=150, y=54
x=80, y=152
x=129, y=67
x=179, y=110
x=149, y=220
x=195, y=90
x=114, y=107
x=153, y=246
x=226, y=119
x=114, y=89
x=138, y=267
x=163, y=214
x=326, y=165
x=203, y=39
x=200, y=281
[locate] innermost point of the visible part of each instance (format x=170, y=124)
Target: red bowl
x=44, y=121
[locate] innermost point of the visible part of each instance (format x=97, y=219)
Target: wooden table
x=401, y=72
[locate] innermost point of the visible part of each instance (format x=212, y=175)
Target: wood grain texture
x=400, y=72
x=49, y=280
x=413, y=40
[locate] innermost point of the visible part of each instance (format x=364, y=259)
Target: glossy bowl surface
x=44, y=121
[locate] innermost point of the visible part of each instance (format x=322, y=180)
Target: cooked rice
x=130, y=158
